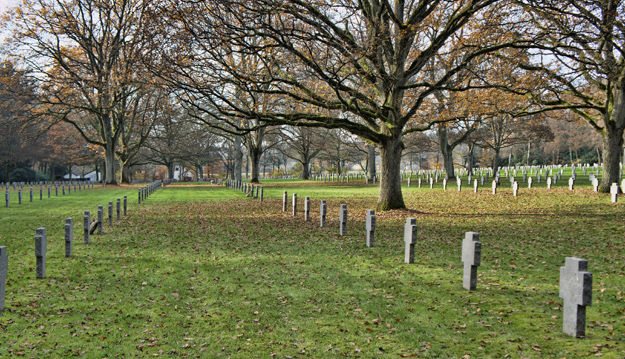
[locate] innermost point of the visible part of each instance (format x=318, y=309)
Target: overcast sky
x=4, y=4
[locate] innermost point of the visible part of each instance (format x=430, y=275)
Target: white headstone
x=410, y=239
x=370, y=225
x=472, y=258
x=576, y=290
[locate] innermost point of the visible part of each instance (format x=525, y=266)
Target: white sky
x=4, y=4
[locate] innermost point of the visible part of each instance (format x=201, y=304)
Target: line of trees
x=260, y=75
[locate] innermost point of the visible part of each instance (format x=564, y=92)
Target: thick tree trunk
x=447, y=152
x=470, y=157
x=238, y=159
x=306, y=168
x=125, y=172
x=109, y=177
x=496, y=160
x=254, y=155
x=390, y=180
x=612, y=144
x=371, y=154
x=170, y=171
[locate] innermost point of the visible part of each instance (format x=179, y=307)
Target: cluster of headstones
x=575, y=280
x=145, y=191
x=41, y=242
x=346, y=177
x=250, y=189
x=19, y=187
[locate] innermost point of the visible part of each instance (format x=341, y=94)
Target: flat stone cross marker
x=4, y=272
x=284, y=196
x=410, y=239
x=41, y=247
x=472, y=258
x=69, y=237
x=576, y=290
x=86, y=224
x=370, y=224
x=294, y=204
x=614, y=192
x=110, y=213
x=343, y=220
x=100, y=219
x=307, y=209
x=323, y=211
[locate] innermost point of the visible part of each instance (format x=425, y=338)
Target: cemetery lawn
x=202, y=271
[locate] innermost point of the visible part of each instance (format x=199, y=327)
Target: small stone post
x=515, y=189
x=370, y=225
x=495, y=187
x=125, y=204
x=529, y=182
x=549, y=181
x=323, y=210
x=110, y=213
x=284, y=197
x=307, y=209
x=100, y=218
x=459, y=184
x=31, y=194
x=472, y=258
x=614, y=192
x=86, y=223
x=4, y=272
x=262, y=194
x=576, y=290
x=475, y=185
x=7, y=196
x=19, y=196
x=69, y=237
x=294, y=204
x=410, y=239
x=343, y=220
x=571, y=183
x=41, y=247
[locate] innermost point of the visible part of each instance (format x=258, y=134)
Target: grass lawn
x=202, y=271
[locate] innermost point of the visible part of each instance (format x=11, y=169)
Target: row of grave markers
x=575, y=280
x=79, y=187
x=144, y=192
x=41, y=242
x=250, y=189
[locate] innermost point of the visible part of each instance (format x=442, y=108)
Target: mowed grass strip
x=203, y=271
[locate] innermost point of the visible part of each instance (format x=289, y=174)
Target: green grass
x=203, y=271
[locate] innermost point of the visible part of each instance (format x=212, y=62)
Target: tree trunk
x=371, y=154
x=125, y=170
x=305, y=168
x=471, y=147
x=109, y=177
x=390, y=180
x=238, y=159
x=170, y=171
x=612, y=144
x=447, y=152
x=496, y=160
x=254, y=155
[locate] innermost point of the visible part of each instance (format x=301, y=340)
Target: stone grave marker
x=294, y=202
x=571, y=183
x=56, y=190
x=343, y=220
x=262, y=193
x=595, y=184
x=69, y=237
x=7, y=197
x=284, y=197
x=529, y=182
x=515, y=189
x=472, y=258
x=19, y=196
x=31, y=194
x=431, y=182
x=576, y=290
x=444, y=184
x=4, y=273
x=41, y=247
x=307, y=209
x=475, y=185
x=323, y=210
x=410, y=239
x=100, y=218
x=119, y=208
x=495, y=187
x=419, y=181
x=86, y=224
x=110, y=213
x=623, y=186
x=614, y=192
x=139, y=195
x=549, y=181
x=459, y=181
x=125, y=204
x=370, y=225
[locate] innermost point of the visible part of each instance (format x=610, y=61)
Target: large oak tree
x=356, y=65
